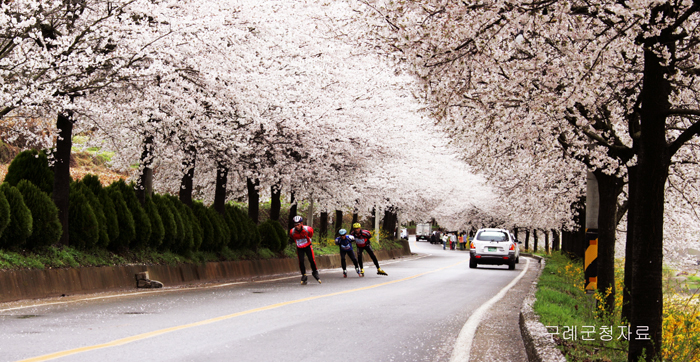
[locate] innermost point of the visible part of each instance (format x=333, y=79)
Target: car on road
x=495, y=247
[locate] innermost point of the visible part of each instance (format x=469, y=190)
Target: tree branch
x=688, y=134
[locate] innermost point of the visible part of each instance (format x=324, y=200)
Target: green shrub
x=249, y=235
x=170, y=228
x=4, y=213
x=157, y=230
x=182, y=232
x=242, y=232
x=269, y=238
x=98, y=209
x=220, y=228
x=208, y=236
x=254, y=241
x=33, y=166
x=46, y=226
x=142, y=223
x=281, y=234
x=83, y=226
x=197, y=229
x=192, y=232
x=20, y=226
x=92, y=182
x=234, y=229
x=127, y=229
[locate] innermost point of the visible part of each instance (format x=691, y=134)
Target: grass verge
x=581, y=330
x=584, y=332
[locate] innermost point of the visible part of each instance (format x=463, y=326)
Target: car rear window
x=492, y=236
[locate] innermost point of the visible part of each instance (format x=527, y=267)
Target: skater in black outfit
x=362, y=240
x=344, y=242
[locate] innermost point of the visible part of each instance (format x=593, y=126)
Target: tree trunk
x=61, y=169
x=556, y=241
x=534, y=240
x=647, y=225
x=220, y=188
x=189, y=163
x=292, y=211
x=275, y=202
x=389, y=223
x=629, y=244
x=324, y=224
x=374, y=216
x=515, y=233
x=338, y=219
x=609, y=188
x=253, y=200
x=565, y=241
x=546, y=241
x=527, y=239
x=144, y=186
x=355, y=217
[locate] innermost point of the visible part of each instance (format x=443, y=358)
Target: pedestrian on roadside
x=301, y=235
x=344, y=242
x=444, y=241
x=362, y=240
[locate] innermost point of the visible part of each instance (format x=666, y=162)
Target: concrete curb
x=539, y=344
x=34, y=283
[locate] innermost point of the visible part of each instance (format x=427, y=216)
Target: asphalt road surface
x=416, y=313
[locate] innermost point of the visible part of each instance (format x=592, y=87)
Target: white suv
x=494, y=246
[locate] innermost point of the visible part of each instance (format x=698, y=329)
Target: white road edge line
x=463, y=344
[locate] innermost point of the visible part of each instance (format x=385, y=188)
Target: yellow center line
x=159, y=332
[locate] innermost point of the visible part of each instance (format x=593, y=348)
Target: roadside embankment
x=35, y=283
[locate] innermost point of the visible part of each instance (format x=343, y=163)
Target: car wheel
x=472, y=263
x=511, y=265
x=517, y=259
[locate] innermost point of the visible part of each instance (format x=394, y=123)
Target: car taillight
x=471, y=245
x=512, y=247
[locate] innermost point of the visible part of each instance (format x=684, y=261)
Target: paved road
x=414, y=314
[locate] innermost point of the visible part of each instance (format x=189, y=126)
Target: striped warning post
x=590, y=261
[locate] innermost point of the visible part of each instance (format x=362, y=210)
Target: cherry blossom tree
x=620, y=74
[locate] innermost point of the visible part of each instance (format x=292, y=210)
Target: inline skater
x=362, y=240
x=344, y=242
x=301, y=235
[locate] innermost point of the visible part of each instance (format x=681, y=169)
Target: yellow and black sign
x=590, y=261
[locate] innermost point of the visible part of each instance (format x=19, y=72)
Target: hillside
x=82, y=163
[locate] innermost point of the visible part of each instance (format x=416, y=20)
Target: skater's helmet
x=342, y=232
x=356, y=225
x=298, y=219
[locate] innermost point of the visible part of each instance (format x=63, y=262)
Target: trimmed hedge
x=281, y=234
x=157, y=229
x=192, y=230
x=171, y=229
x=4, y=213
x=83, y=226
x=92, y=182
x=31, y=165
x=127, y=229
x=269, y=238
x=234, y=229
x=142, y=223
x=20, y=226
x=98, y=209
x=47, y=228
x=208, y=233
